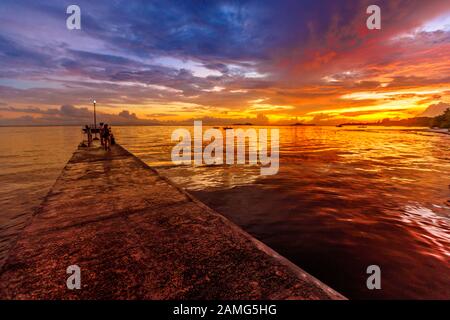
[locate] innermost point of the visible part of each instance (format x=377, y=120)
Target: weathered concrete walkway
x=137, y=236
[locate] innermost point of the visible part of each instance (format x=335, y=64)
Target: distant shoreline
x=412, y=128
x=180, y=125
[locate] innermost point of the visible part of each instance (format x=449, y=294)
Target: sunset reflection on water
x=343, y=199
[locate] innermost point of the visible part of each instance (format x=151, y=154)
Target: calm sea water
x=31, y=158
x=344, y=198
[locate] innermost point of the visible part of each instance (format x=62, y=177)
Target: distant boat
x=302, y=124
x=340, y=125
x=226, y=128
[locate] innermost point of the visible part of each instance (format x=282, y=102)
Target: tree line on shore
x=441, y=121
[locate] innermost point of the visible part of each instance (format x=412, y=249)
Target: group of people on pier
x=106, y=136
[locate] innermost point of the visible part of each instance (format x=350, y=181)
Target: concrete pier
x=136, y=235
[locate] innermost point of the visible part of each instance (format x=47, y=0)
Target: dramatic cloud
x=69, y=115
x=312, y=61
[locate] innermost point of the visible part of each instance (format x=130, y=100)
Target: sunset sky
x=268, y=61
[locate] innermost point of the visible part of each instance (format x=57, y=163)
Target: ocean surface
x=343, y=199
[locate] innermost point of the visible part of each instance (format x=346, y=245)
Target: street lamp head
x=95, y=101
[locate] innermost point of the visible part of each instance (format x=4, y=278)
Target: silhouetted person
x=89, y=135
x=101, y=134
x=106, y=135
x=112, y=140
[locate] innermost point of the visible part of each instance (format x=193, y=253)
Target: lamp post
x=95, y=120
x=95, y=116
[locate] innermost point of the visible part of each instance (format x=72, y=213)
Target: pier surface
x=135, y=235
